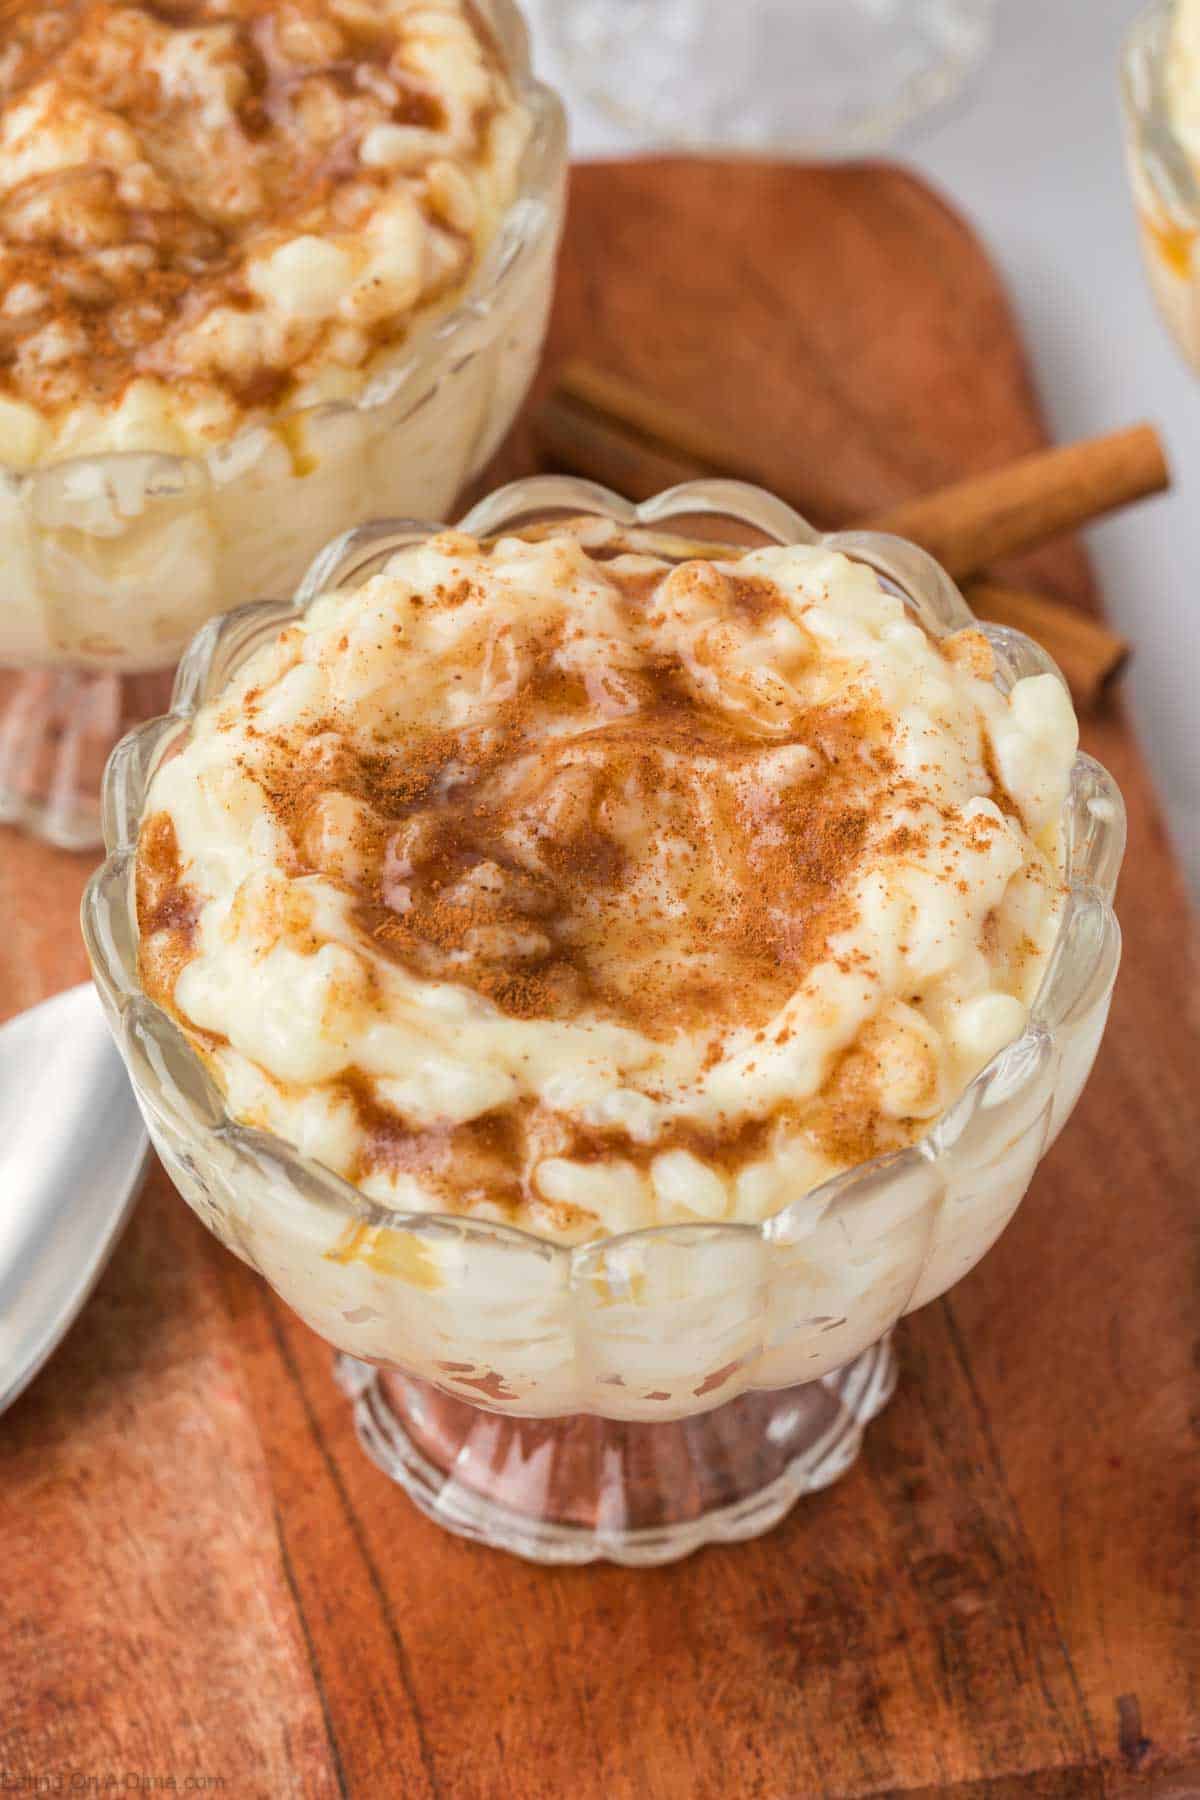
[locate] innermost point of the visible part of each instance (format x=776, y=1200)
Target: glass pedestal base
x=581, y=1489
x=57, y=728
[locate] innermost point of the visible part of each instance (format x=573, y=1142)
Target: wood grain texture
x=202, y=1573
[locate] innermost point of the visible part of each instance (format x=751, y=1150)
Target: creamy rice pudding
x=213, y=208
x=229, y=233
x=547, y=882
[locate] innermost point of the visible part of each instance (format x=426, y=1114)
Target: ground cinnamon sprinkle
x=168, y=909
x=754, y=598
x=569, y=912
x=496, y=1154
x=453, y=1163
x=1000, y=793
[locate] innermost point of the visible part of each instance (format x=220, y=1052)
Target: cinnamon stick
x=686, y=438
x=590, y=444
x=987, y=517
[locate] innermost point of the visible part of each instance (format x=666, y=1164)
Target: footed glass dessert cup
x=112, y=562
x=825, y=78
x=1166, y=187
x=639, y=1396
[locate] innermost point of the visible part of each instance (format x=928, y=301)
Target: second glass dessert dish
x=1160, y=93
x=603, y=980
x=828, y=78
x=307, y=281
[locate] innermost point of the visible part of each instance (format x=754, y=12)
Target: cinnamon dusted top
x=222, y=202
x=659, y=867
x=552, y=881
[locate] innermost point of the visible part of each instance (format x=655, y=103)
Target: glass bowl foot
x=583, y=1489
x=57, y=727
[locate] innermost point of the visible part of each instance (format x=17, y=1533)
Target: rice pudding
x=549, y=882
x=229, y=232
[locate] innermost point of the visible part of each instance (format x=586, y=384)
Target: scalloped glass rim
x=852, y=130
x=520, y=229
x=1169, y=172
x=1081, y=967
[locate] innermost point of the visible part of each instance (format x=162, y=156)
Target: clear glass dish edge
x=1157, y=154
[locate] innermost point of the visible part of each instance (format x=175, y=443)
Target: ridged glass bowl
x=642, y=1395
x=813, y=78
x=1166, y=188
x=113, y=561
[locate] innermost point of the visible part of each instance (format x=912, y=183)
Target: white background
x=1032, y=154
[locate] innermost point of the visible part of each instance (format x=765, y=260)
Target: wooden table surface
x=204, y=1579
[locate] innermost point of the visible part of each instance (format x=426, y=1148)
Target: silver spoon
x=72, y=1153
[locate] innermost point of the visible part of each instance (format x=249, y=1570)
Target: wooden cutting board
x=202, y=1575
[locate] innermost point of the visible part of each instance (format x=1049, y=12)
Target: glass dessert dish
x=1164, y=178
x=637, y=1396
x=710, y=75
x=114, y=560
